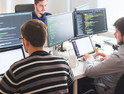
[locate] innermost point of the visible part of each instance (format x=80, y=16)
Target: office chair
x=90, y=92
x=118, y=90
x=24, y=8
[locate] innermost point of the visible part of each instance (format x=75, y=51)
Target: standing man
x=111, y=69
x=40, y=73
x=39, y=10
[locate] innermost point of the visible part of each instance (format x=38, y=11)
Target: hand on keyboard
x=85, y=57
x=100, y=56
x=92, y=56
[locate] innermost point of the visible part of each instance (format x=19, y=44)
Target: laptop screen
x=8, y=57
x=83, y=46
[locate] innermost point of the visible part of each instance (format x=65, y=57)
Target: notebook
x=10, y=56
x=83, y=46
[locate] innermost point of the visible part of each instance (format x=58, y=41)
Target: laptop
x=9, y=56
x=83, y=46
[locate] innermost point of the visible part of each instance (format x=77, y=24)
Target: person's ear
x=34, y=5
x=26, y=42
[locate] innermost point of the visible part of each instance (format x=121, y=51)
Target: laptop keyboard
x=97, y=58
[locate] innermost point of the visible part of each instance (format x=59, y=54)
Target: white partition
x=76, y=3
x=2, y=6
x=54, y=6
x=58, y=6
x=8, y=6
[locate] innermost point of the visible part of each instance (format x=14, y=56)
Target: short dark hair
x=35, y=32
x=119, y=24
x=36, y=1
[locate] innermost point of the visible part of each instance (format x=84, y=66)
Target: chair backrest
x=92, y=91
x=120, y=86
x=24, y=8
x=118, y=90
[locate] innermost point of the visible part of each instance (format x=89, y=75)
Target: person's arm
x=104, y=56
x=70, y=77
x=88, y=56
x=107, y=67
x=7, y=83
x=47, y=14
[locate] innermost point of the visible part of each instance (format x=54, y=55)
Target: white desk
x=78, y=71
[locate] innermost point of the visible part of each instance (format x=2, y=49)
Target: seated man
x=39, y=73
x=39, y=10
x=111, y=69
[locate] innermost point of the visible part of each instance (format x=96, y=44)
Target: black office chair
x=118, y=90
x=90, y=92
x=24, y=8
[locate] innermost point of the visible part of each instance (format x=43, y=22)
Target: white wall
x=8, y=6
x=2, y=6
x=76, y=3
x=114, y=10
x=54, y=6
x=57, y=6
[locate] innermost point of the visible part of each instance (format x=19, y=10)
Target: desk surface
x=78, y=70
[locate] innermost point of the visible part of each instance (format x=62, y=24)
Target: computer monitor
x=10, y=28
x=60, y=28
x=10, y=56
x=92, y=21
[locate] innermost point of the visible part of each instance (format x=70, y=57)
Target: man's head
x=119, y=34
x=40, y=6
x=34, y=33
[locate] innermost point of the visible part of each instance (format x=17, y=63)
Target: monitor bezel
x=12, y=48
x=16, y=13
x=90, y=10
x=78, y=56
x=9, y=14
x=47, y=28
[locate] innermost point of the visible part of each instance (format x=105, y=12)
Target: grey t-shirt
x=107, y=72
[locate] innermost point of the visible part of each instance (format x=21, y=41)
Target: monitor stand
x=55, y=50
x=62, y=49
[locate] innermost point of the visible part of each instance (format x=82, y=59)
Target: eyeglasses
x=21, y=38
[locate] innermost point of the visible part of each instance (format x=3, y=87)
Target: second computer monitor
x=92, y=21
x=10, y=28
x=60, y=28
